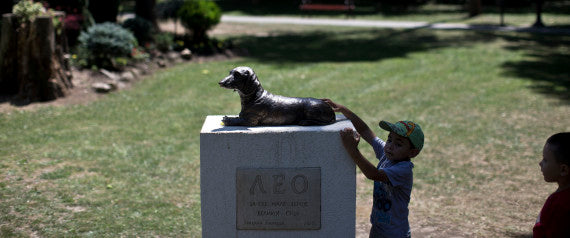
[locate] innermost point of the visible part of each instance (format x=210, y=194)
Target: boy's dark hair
x=560, y=145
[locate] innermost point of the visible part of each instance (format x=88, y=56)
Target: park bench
x=308, y=5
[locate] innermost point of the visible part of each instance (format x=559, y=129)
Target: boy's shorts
x=376, y=233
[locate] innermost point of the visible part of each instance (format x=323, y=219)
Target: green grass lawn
x=128, y=164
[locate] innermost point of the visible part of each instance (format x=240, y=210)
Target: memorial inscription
x=278, y=198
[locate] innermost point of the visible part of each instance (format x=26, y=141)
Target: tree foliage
x=199, y=16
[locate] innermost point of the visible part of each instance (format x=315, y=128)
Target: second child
x=554, y=218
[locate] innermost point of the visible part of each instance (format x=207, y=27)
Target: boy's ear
x=564, y=170
x=414, y=152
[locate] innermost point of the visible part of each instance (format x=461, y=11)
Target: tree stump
x=32, y=61
x=8, y=55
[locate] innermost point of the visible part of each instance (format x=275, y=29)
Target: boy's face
x=551, y=169
x=399, y=148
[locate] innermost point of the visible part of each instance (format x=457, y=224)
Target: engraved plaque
x=278, y=199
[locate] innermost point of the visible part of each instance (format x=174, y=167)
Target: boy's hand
x=350, y=138
x=336, y=107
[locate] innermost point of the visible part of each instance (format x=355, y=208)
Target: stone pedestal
x=278, y=181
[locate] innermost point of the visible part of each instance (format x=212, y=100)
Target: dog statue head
x=243, y=80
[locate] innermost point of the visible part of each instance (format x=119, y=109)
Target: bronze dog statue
x=259, y=107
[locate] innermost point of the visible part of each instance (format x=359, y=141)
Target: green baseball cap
x=406, y=129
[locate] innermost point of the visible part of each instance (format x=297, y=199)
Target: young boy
x=554, y=218
x=393, y=177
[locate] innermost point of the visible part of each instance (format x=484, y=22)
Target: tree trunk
x=145, y=9
x=9, y=55
x=474, y=7
x=538, y=22
x=104, y=10
x=33, y=64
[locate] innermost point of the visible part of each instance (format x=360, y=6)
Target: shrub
x=168, y=9
x=199, y=16
x=141, y=28
x=163, y=41
x=103, y=42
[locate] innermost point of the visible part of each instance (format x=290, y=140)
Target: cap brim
x=386, y=125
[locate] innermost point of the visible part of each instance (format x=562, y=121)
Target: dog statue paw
x=231, y=121
x=261, y=108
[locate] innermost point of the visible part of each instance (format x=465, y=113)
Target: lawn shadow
x=348, y=46
x=546, y=65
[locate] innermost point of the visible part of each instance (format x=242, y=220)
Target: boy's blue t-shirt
x=390, y=208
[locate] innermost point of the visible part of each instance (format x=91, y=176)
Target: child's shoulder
x=404, y=164
x=563, y=195
x=558, y=200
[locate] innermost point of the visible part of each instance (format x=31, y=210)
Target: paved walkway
x=388, y=24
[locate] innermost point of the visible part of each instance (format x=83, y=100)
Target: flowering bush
x=73, y=22
x=26, y=10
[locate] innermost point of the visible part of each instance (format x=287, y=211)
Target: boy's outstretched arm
x=360, y=126
x=350, y=141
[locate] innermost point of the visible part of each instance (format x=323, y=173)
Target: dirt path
x=388, y=24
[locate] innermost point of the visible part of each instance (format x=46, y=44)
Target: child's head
x=405, y=141
x=555, y=162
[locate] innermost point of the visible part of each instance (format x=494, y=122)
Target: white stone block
x=224, y=150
